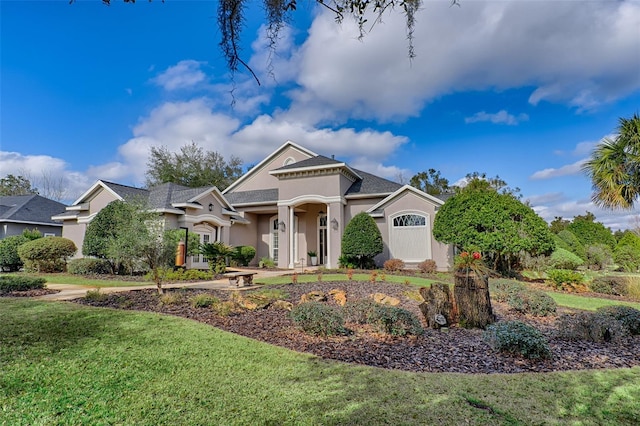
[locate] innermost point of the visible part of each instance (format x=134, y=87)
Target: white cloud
x=185, y=74
x=567, y=170
x=40, y=169
x=500, y=117
x=574, y=54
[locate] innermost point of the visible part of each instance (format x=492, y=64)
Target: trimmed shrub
x=572, y=243
x=591, y=326
x=203, y=301
x=95, y=295
x=393, y=265
x=89, y=266
x=266, y=262
x=629, y=317
x=10, y=283
x=428, y=266
x=171, y=299
x=359, y=311
x=516, y=337
x=564, y=259
x=318, y=319
x=362, y=240
x=244, y=255
x=394, y=321
x=609, y=284
x=9, y=258
x=564, y=276
x=627, y=257
x=599, y=256
x=170, y=274
x=533, y=302
x=46, y=254
x=503, y=289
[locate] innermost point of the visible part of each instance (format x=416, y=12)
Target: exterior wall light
x=282, y=226
x=210, y=207
x=334, y=224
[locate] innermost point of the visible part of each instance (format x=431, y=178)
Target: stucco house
x=20, y=212
x=292, y=202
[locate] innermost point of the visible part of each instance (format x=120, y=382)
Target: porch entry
x=278, y=232
x=206, y=234
x=322, y=238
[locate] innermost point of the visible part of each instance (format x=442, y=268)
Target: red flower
x=476, y=255
x=464, y=254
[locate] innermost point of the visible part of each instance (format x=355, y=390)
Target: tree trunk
x=437, y=307
x=472, y=300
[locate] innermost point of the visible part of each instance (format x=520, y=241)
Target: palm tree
x=614, y=167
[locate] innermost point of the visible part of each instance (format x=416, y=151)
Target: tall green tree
x=499, y=225
x=16, y=185
x=481, y=182
x=361, y=241
x=590, y=232
x=192, y=167
x=431, y=182
x=614, y=167
x=558, y=224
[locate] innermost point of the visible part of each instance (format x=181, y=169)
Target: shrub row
x=561, y=277
x=10, y=283
x=607, y=324
x=609, y=284
x=89, y=266
x=320, y=319
x=523, y=299
x=170, y=274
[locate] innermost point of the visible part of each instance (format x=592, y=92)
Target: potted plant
x=313, y=256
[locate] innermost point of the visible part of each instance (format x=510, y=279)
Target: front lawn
x=71, y=279
x=62, y=363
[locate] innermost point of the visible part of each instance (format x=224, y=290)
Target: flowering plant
x=470, y=262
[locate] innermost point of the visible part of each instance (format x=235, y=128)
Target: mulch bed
x=29, y=293
x=456, y=350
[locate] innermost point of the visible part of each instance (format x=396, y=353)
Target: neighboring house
x=292, y=202
x=20, y=212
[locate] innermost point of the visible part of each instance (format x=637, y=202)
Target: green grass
x=311, y=278
x=67, y=364
x=587, y=303
x=84, y=281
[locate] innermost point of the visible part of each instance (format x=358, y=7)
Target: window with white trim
x=409, y=220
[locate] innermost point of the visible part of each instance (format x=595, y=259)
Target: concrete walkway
x=70, y=291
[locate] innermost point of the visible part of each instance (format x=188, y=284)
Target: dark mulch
x=29, y=293
x=456, y=350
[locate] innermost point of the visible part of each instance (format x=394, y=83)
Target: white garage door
x=409, y=237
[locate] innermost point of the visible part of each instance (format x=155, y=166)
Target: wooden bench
x=234, y=278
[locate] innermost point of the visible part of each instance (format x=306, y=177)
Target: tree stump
x=472, y=300
x=437, y=307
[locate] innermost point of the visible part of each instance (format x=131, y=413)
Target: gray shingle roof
x=316, y=161
x=256, y=196
x=29, y=208
x=372, y=184
x=127, y=192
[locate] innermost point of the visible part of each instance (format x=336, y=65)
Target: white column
x=291, y=237
x=328, y=231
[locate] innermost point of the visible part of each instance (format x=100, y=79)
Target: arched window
x=409, y=220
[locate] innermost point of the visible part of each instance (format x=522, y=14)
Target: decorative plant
x=470, y=262
x=312, y=253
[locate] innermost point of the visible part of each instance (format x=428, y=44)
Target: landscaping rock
x=385, y=299
x=283, y=305
x=313, y=296
x=339, y=295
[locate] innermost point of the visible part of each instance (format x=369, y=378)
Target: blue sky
x=519, y=89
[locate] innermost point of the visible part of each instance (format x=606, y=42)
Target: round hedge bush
x=516, y=337
x=89, y=266
x=48, y=254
